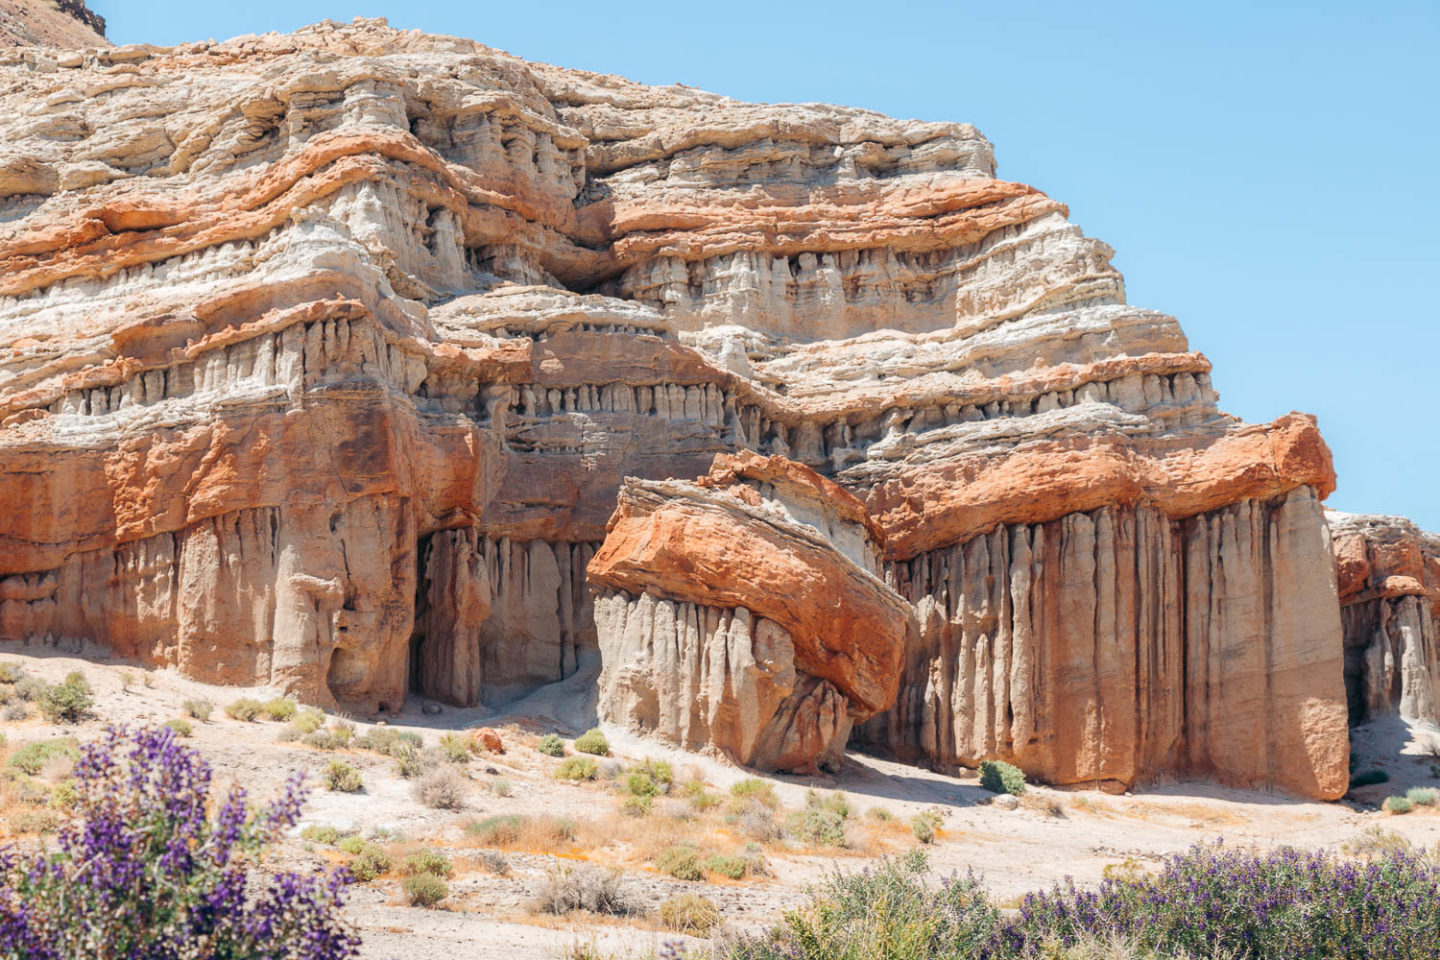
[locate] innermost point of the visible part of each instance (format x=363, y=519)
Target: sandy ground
x=1052, y=835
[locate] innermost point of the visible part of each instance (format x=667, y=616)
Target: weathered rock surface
x=323, y=358
x=746, y=611
x=1389, y=581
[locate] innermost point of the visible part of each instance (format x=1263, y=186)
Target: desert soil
x=1051, y=835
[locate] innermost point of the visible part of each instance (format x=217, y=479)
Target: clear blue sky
x=1266, y=171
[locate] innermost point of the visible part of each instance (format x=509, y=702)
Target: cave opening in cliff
x=420, y=651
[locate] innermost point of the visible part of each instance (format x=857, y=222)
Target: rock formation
x=324, y=359
x=1389, y=580
x=747, y=612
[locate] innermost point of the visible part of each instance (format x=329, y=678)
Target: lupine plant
x=149, y=869
x=1211, y=901
x=1286, y=905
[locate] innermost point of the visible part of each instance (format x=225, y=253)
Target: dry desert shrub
x=1375, y=841
x=568, y=888
x=441, y=788
x=690, y=913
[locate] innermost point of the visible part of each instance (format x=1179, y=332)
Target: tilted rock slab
x=746, y=612
x=323, y=358
x=1389, y=580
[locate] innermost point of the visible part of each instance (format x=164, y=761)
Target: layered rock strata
x=746, y=612
x=323, y=358
x=1389, y=581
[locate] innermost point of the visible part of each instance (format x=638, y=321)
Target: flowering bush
x=144, y=871
x=1208, y=902
x=1282, y=905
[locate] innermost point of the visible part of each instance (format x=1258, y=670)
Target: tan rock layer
x=1111, y=646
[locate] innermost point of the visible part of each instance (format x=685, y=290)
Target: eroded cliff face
x=746, y=612
x=1389, y=579
x=323, y=358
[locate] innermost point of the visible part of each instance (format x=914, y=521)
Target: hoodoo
x=335, y=360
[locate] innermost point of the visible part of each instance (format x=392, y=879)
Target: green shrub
x=1422, y=796
x=837, y=803
x=279, y=709
x=1369, y=778
x=702, y=799
x=352, y=843
x=690, y=913
x=455, y=748
x=577, y=768
x=198, y=709
x=753, y=788
x=639, y=784
x=181, y=726
x=681, y=861
x=32, y=757
x=924, y=825
x=68, y=701
x=325, y=833
x=424, y=889
x=658, y=772
x=64, y=794
x=429, y=861
x=879, y=814
x=551, y=745
x=727, y=866
x=890, y=912
x=307, y=721
x=370, y=861
x=341, y=777
x=320, y=739
x=407, y=760
x=593, y=742
x=635, y=806
x=496, y=831
x=245, y=708
x=818, y=827
x=1398, y=805
x=390, y=742
x=11, y=672
x=997, y=776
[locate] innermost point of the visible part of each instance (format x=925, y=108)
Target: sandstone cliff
x=1389, y=579
x=324, y=357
